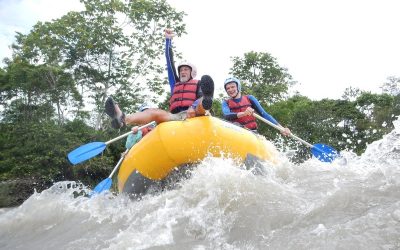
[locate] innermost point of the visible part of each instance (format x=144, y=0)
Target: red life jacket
x=184, y=94
x=236, y=107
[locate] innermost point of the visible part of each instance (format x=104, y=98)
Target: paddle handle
x=130, y=132
x=281, y=129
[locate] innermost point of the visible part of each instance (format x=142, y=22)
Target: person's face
x=231, y=89
x=184, y=73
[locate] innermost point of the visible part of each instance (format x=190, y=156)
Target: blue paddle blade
x=104, y=185
x=86, y=152
x=324, y=152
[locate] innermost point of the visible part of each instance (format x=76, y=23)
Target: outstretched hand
x=286, y=132
x=169, y=33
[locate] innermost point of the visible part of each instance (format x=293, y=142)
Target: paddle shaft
x=281, y=129
x=119, y=163
x=128, y=133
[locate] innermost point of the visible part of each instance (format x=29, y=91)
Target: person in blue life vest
x=137, y=134
x=189, y=97
x=240, y=108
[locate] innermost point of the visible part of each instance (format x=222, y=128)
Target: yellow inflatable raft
x=176, y=143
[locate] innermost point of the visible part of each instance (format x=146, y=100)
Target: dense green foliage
x=53, y=89
x=111, y=48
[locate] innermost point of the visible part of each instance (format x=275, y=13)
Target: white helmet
x=193, y=74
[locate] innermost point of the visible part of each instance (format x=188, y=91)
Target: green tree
x=113, y=47
x=38, y=86
x=380, y=110
x=351, y=93
x=392, y=86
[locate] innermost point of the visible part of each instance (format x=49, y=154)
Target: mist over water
x=353, y=203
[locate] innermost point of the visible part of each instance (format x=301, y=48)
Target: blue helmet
x=235, y=80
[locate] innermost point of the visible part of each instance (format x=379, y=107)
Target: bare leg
x=119, y=119
x=157, y=115
x=200, y=109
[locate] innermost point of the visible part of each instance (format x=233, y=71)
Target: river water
x=352, y=203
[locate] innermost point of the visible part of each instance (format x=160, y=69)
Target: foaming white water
x=353, y=203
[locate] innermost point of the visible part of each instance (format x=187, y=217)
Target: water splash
x=352, y=203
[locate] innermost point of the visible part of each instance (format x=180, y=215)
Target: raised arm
x=169, y=56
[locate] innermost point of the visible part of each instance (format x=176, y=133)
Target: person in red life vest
x=240, y=108
x=189, y=97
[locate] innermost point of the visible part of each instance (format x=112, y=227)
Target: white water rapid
x=353, y=203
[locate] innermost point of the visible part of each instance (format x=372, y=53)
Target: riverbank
x=15, y=192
